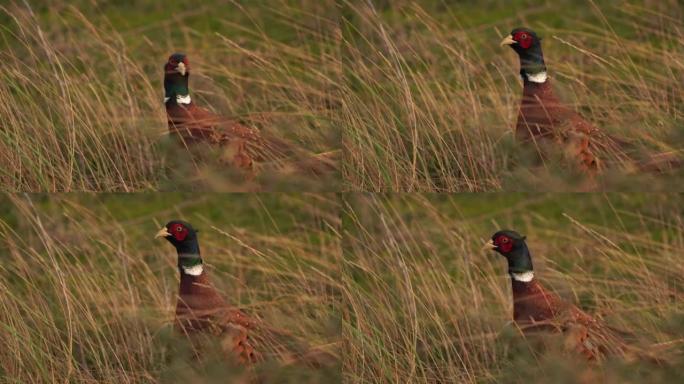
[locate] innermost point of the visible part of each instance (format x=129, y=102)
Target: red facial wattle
x=503, y=244
x=523, y=39
x=178, y=231
x=172, y=64
x=185, y=61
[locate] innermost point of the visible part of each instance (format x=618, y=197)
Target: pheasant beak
x=181, y=68
x=490, y=246
x=162, y=233
x=508, y=40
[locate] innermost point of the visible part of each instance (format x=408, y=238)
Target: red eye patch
x=173, y=63
x=503, y=243
x=178, y=231
x=524, y=39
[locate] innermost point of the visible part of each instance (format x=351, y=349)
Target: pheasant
x=543, y=118
x=537, y=309
x=200, y=309
x=191, y=123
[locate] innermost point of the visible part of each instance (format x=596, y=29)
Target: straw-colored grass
x=83, y=97
x=430, y=99
x=427, y=305
x=89, y=295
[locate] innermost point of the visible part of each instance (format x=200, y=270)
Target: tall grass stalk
x=427, y=305
x=89, y=298
x=430, y=99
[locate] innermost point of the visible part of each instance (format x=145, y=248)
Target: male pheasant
x=200, y=309
x=543, y=118
x=537, y=309
x=192, y=123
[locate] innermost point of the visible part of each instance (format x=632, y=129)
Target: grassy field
x=430, y=99
x=427, y=305
x=418, y=94
x=89, y=295
x=83, y=98
x=412, y=96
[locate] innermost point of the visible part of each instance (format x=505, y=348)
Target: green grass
x=420, y=92
x=431, y=99
x=419, y=97
x=427, y=305
x=89, y=295
x=83, y=92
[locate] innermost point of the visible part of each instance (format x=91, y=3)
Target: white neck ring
x=180, y=99
x=540, y=77
x=195, y=270
x=524, y=277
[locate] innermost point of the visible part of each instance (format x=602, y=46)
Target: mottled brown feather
x=543, y=117
x=200, y=308
x=536, y=309
x=196, y=124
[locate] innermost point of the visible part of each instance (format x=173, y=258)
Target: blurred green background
x=431, y=98
x=428, y=304
x=86, y=80
x=90, y=294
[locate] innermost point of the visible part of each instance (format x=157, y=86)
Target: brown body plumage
x=200, y=308
x=537, y=309
x=192, y=124
x=542, y=117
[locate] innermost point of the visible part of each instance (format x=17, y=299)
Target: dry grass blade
x=427, y=305
x=90, y=297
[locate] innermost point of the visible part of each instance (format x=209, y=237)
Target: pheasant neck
x=532, y=66
x=176, y=89
x=189, y=259
x=520, y=263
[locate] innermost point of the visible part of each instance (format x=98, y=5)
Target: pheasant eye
x=523, y=36
x=179, y=228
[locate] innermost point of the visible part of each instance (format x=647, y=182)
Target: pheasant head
x=512, y=246
x=176, y=74
x=184, y=237
x=527, y=45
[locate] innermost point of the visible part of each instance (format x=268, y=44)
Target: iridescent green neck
x=189, y=253
x=532, y=61
x=190, y=263
x=189, y=260
x=519, y=259
x=176, y=88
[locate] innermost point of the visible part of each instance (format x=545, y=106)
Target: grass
x=89, y=296
x=430, y=99
x=82, y=92
x=414, y=96
x=417, y=96
x=427, y=305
